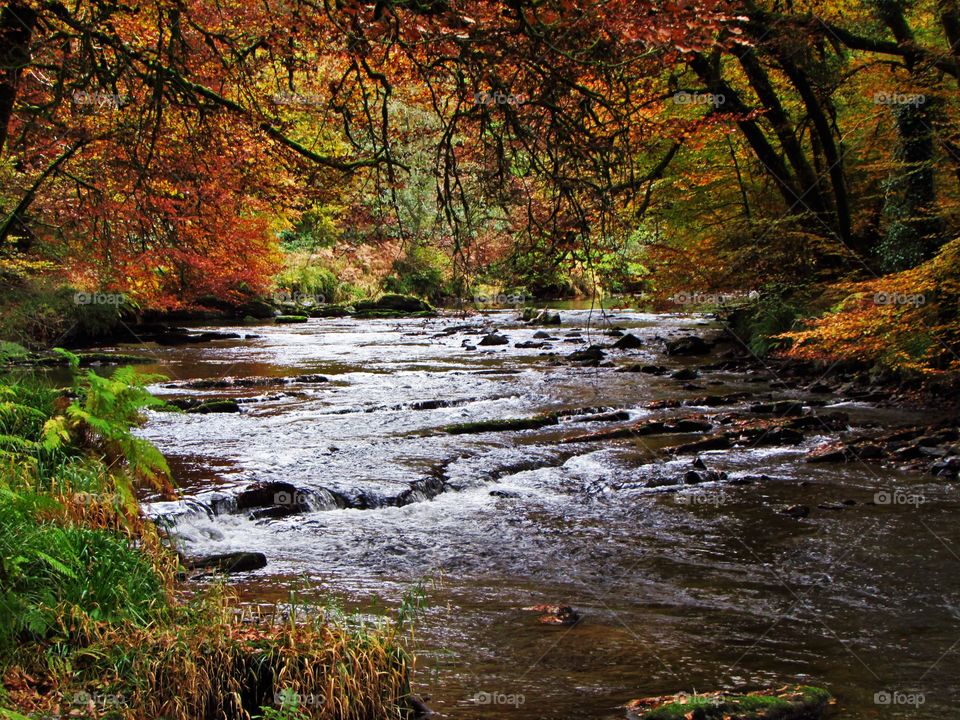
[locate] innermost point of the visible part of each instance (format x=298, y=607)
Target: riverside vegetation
x=94, y=619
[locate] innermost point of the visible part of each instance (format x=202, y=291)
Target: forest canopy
x=179, y=150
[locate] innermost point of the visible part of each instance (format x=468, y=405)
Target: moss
x=500, y=425
x=287, y=319
x=801, y=702
x=325, y=311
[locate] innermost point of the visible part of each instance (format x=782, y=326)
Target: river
x=679, y=587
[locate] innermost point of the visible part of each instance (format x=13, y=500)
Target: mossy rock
x=395, y=303
x=289, y=319
x=216, y=406
x=540, y=316
x=797, y=702
x=258, y=308
x=374, y=314
x=500, y=425
x=203, y=407
x=328, y=311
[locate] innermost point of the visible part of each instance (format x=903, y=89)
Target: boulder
x=594, y=353
x=689, y=345
x=258, y=309
x=227, y=405
x=535, y=316
x=493, y=339
x=628, y=342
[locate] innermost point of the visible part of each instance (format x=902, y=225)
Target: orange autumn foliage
x=908, y=320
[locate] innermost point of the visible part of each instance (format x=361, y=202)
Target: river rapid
x=691, y=587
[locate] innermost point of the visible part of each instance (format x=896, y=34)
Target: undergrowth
x=94, y=620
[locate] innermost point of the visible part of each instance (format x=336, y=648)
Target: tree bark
x=17, y=22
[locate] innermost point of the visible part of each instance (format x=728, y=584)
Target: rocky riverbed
x=713, y=522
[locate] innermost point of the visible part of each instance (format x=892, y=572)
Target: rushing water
x=696, y=588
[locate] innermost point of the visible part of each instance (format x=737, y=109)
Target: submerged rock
x=481, y=426
x=555, y=614
x=689, y=345
x=714, y=442
x=646, y=369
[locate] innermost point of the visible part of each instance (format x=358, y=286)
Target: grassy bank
x=94, y=621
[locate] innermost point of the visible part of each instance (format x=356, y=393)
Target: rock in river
x=689, y=345
x=228, y=562
x=628, y=342
x=494, y=339
x=555, y=614
x=798, y=702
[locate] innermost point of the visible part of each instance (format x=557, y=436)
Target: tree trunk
x=17, y=22
x=767, y=155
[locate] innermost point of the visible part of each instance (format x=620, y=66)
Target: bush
x=421, y=272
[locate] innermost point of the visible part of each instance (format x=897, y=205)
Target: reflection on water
x=696, y=589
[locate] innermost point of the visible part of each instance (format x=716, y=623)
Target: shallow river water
x=691, y=588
